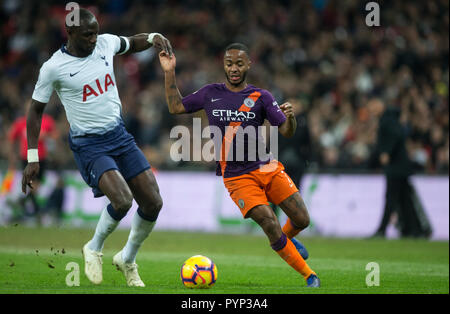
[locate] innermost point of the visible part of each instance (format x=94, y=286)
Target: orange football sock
x=286, y=249
x=290, y=230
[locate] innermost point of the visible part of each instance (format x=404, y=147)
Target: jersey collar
x=64, y=50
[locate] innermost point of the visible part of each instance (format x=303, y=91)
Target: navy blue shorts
x=116, y=149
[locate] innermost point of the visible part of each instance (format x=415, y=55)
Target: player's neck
x=73, y=51
x=236, y=88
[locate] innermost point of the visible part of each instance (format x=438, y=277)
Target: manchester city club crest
x=241, y=203
x=249, y=102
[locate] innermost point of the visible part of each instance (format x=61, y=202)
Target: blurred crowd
x=317, y=53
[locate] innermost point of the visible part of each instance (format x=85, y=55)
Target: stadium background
x=319, y=53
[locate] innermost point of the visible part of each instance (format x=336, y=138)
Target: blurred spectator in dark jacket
x=401, y=197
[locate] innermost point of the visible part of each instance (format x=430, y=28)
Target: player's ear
x=69, y=30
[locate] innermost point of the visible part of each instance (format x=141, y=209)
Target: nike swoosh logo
x=73, y=74
x=214, y=100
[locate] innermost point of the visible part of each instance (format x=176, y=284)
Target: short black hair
x=85, y=14
x=238, y=46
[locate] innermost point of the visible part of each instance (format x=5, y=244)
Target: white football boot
x=92, y=264
x=129, y=270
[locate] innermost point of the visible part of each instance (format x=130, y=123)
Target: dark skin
x=293, y=207
x=82, y=40
x=236, y=65
x=143, y=188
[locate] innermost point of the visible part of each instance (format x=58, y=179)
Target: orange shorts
x=260, y=186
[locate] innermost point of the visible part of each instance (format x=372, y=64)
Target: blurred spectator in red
x=18, y=152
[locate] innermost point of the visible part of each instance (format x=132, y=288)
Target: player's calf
x=288, y=252
x=279, y=242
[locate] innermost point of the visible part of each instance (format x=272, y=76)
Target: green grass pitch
x=33, y=260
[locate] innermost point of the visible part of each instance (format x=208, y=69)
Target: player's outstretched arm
x=141, y=42
x=287, y=129
x=34, y=120
x=173, y=95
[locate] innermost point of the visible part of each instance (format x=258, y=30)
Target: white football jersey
x=86, y=87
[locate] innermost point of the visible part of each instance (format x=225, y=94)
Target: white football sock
x=105, y=226
x=140, y=229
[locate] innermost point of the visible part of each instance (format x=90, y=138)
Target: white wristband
x=151, y=36
x=32, y=155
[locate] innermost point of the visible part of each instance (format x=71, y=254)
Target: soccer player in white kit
x=81, y=73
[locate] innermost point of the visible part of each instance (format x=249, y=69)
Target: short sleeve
x=195, y=102
x=44, y=87
x=113, y=42
x=274, y=114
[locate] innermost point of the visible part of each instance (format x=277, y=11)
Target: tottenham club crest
x=249, y=102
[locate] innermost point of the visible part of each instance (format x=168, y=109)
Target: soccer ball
x=198, y=272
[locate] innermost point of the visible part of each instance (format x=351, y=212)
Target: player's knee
x=270, y=225
x=152, y=208
x=157, y=206
x=302, y=220
x=123, y=203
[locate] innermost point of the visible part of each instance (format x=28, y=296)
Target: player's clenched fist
x=168, y=62
x=287, y=109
